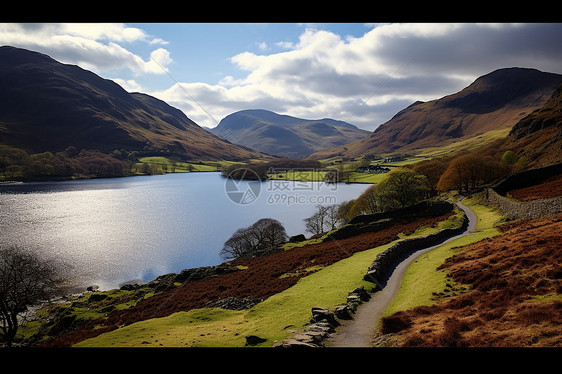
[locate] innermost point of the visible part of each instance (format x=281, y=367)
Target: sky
x=361, y=73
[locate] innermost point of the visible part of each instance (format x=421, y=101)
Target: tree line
x=470, y=170
x=17, y=164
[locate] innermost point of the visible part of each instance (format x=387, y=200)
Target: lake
x=116, y=230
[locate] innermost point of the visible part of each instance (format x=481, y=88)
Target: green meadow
x=162, y=165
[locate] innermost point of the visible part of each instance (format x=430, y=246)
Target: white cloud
x=128, y=85
x=159, y=58
x=158, y=41
x=103, y=31
x=285, y=45
x=97, y=47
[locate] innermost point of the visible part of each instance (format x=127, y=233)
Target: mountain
x=283, y=135
x=48, y=106
x=497, y=100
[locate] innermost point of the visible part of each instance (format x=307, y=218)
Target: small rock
x=343, y=312
x=297, y=238
x=320, y=314
x=293, y=343
x=361, y=293
x=253, y=340
x=97, y=297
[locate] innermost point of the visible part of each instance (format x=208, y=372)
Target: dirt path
x=359, y=331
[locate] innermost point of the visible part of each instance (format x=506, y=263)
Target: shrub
x=394, y=323
x=263, y=237
x=451, y=337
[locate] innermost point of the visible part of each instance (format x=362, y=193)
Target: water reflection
x=115, y=230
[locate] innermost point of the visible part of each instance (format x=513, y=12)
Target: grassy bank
x=164, y=165
x=274, y=319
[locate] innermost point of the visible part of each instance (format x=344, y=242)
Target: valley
x=498, y=286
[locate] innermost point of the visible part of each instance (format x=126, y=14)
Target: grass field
x=163, y=165
x=160, y=164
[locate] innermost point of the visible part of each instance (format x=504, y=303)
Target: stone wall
x=385, y=262
x=524, y=209
x=515, y=209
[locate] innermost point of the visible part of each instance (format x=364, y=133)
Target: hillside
x=48, y=106
x=283, y=135
x=513, y=298
x=538, y=136
x=497, y=100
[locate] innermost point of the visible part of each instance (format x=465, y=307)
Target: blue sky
x=357, y=72
x=202, y=51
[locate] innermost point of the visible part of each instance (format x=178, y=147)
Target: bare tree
x=325, y=219
x=315, y=223
x=25, y=280
x=237, y=246
x=263, y=237
x=332, y=219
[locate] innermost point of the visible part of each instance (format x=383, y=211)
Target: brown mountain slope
x=538, y=136
x=283, y=135
x=494, y=101
x=49, y=106
x=513, y=299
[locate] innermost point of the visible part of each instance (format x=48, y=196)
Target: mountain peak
x=490, y=92
x=17, y=56
x=284, y=135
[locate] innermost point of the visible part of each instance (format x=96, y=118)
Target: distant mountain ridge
x=283, y=135
x=497, y=100
x=48, y=106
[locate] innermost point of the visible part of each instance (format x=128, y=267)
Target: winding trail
x=359, y=332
